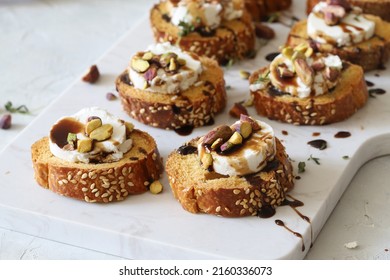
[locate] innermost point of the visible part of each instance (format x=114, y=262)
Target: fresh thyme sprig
x=22, y=109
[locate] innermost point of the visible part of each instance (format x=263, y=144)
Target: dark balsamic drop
x=210, y=122
x=271, y=56
x=318, y=144
x=142, y=151
x=369, y=84
x=294, y=204
x=272, y=165
x=297, y=234
x=184, y=130
x=166, y=17
x=316, y=134
x=187, y=150
x=267, y=211
x=284, y=132
x=126, y=79
x=342, y=134
x=378, y=91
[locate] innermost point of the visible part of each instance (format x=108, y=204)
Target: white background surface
x=46, y=45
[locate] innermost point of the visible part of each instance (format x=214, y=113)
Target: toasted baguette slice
x=370, y=54
x=260, y=9
x=379, y=8
x=345, y=99
x=234, y=39
x=201, y=191
x=194, y=107
x=102, y=182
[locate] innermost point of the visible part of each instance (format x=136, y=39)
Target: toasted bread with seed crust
x=339, y=104
x=201, y=191
x=370, y=54
x=194, y=107
x=234, y=39
x=379, y=8
x=260, y=9
x=101, y=182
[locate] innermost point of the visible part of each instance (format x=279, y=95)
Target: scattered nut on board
x=92, y=75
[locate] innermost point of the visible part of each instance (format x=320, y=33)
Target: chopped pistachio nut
x=140, y=65
x=84, y=145
x=147, y=56
x=217, y=143
x=102, y=133
x=156, y=187
x=92, y=125
x=207, y=161
x=245, y=129
x=244, y=74
x=235, y=139
x=72, y=138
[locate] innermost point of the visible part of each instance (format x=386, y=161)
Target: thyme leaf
x=186, y=28
x=316, y=160
x=301, y=167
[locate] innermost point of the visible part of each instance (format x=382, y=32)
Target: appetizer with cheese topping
x=232, y=171
x=94, y=156
x=336, y=27
x=302, y=87
x=218, y=29
x=169, y=88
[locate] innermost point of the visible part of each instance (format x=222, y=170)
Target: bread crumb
x=351, y=245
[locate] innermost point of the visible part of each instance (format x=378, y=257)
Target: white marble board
x=155, y=226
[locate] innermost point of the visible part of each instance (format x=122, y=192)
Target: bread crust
x=234, y=39
x=201, y=191
x=345, y=99
x=259, y=9
x=371, y=54
x=194, y=107
x=379, y=8
x=102, y=182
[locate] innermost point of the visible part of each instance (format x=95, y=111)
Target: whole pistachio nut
x=222, y=131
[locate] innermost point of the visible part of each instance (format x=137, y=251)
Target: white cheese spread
x=294, y=85
x=353, y=28
x=165, y=82
x=109, y=150
x=251, y=157
x=202, y=13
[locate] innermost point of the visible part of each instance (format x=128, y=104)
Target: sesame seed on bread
x=201, y=191
x=379, y=8
x=234, y=39
x=100, y=182
x=194, y=107
x=344, y=100
x=370, y=54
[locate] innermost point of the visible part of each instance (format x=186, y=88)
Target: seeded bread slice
x=102, y=182
x=370, y=54
x=260, y=9
x=194, y=107
x=342, y=102
x=234, y=39
x=201, y=191
x=379, y=8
